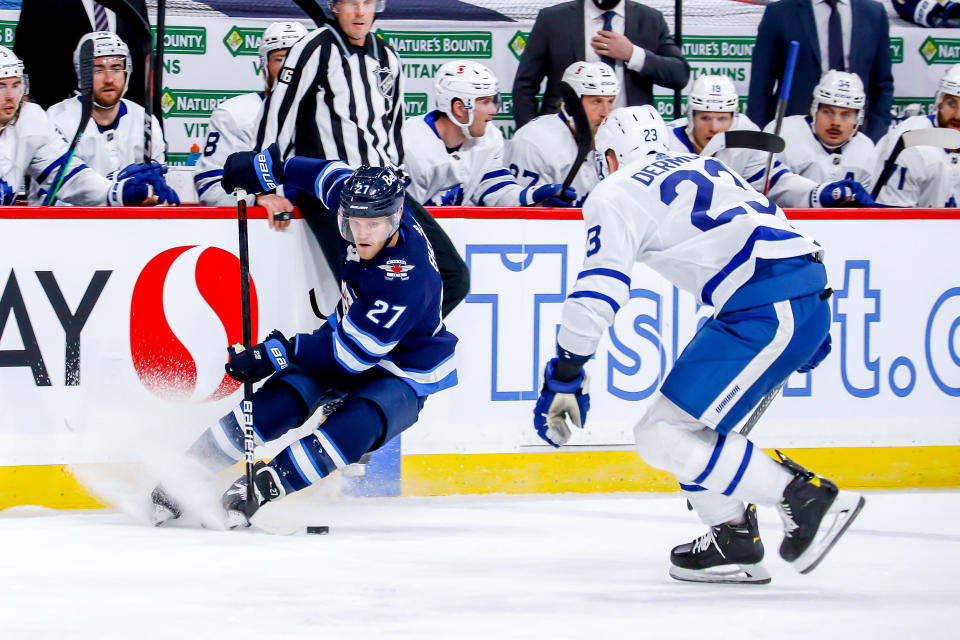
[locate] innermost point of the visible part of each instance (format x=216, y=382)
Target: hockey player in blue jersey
x=699, y=225
x=386, y=348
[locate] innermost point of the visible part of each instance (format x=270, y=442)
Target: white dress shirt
x=593, y=22
x=821, y=14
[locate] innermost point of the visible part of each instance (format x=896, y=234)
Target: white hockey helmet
x=712, y=93
x=949, y=84
x=279, y=35
x=330, y=7
x=840, y=89
x=591, y=79
x=464, y=80
x=105, y=43
x=630, y=132
x=12, y=67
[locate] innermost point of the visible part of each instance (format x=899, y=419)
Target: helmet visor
x=360, y=230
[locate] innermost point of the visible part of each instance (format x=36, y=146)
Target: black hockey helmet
x=371, y=192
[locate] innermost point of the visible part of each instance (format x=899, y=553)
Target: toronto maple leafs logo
x=396, y=269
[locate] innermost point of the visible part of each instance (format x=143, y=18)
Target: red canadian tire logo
x=187, y=296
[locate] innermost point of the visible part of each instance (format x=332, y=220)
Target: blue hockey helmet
x=371, y=192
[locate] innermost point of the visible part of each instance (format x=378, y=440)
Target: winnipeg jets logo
x=385, y=78
x=396, y=269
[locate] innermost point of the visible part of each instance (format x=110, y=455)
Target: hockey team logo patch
x=180, y=354
x=396, y=269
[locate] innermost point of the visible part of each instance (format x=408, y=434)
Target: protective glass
x=368, y=230
x=376, y=5
x=110, y=64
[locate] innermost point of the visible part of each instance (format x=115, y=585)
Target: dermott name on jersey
x=662, y=164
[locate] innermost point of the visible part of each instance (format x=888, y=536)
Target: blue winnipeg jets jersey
x=389, y=311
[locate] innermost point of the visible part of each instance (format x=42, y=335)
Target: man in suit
x=48, y=33
x=630, y=37
x=825, y=30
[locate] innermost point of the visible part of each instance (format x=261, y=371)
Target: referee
x=339, y=96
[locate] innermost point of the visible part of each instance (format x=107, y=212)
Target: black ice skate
x=815, y=514
x=727, y=553
x=164, y=507
x=266, y=487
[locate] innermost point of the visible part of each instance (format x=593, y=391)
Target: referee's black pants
x=453, y=270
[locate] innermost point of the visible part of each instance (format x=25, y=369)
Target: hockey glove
x=138, y=182
x=548, y=194
x=165, y=194
x=822, y=351
x=557, y=401
x=8, y=195
x=453, y=197
x=259, y=361
x=843, y=193
x=252, y=171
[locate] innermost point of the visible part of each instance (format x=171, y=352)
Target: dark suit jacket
x=48, y=33
x=788, y=20
x=557, y=41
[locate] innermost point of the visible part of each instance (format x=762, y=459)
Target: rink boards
x=113, y=328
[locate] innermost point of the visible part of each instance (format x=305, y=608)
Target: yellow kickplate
x=44, y=485
x=600, y=471
x=554, y=472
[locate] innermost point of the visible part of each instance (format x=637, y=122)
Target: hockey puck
x=321, y=530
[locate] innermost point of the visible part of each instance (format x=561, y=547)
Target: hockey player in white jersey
x=233, y=126
x=29, y=144
x=712, y=108
x=544, y=149
x=454, y=155
x=925, y=176
x=113, y=139
x=826, y=146
x=695, y=222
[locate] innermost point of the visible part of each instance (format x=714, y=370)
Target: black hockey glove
x=260, y=360
x=253, y=171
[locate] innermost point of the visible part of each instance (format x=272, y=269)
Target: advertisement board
x=118, y=343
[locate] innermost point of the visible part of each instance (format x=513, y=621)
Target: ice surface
x=470, y=567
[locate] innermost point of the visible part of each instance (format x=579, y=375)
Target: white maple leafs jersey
x=806, y=156
x=31, y=145
x=109, y=150
x=233, y=128
x=787, y=189
x=542, y=152
x=923, y=176
x=689, y=218
x=476, y=167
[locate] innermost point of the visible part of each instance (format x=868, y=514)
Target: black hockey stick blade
x=85, y=62
x=758, y=140
x=940, y=137
x=314, y=11
x=581, y=130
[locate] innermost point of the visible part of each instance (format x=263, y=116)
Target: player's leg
x=282, y=403
x=731, y=363
x=376, y=410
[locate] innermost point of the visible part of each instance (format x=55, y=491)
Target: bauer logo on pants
x=185, y=302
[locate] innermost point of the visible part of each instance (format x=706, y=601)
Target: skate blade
x=161, y=514
x=841, y=514
x=726, y=574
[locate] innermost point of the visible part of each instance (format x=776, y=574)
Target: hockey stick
x=759, y=140
x=86, y=110
x=135, y=16
x=245, y=319
x=782, y=103
x=573, y=110
x=936, y=137
x=314, y=12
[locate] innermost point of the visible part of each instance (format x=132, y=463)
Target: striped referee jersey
x=335, y=100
